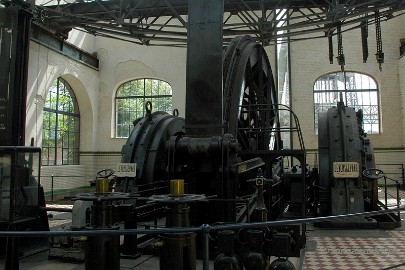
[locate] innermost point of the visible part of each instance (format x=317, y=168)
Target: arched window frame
x=61, y=126
x=130, y=100
x=359, y=91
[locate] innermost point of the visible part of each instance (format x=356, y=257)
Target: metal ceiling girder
x=258, y=18
x=142, y=8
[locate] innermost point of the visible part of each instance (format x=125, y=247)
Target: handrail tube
x=61, y=176
x=56, y=209
x=194, y=229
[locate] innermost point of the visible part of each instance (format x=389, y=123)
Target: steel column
x=15, y=26
x=204, y=68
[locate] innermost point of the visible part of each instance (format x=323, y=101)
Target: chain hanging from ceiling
x=379, y=55
x=330, y=43
x=341, y=56
x=364, y=41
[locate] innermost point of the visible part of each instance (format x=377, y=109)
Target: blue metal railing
x=204, y=229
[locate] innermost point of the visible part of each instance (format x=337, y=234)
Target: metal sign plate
x=126, y=170
x=346, y=170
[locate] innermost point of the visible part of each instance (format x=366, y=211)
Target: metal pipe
x=279, y=199
x=194, y=229
x=205, y=228
x=56, y=209
x=145, y=206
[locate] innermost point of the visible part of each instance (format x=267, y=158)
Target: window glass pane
x=61, y=125
x=357, y=90
x=131, y=98
x=138, y=88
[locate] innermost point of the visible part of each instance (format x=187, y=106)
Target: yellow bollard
x=102, y=185
x=176, y=187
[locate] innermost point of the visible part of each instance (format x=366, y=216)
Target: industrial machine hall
x=202, y=134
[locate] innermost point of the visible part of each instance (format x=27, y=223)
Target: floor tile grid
x=357, y=253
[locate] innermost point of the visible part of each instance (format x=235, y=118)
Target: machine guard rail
x=52, y=176
x=397, y=198
x=276, y=109
x=205, y=229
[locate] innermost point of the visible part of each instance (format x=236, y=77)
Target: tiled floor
x=358, y=249
x=357, y=252
x=327, y=249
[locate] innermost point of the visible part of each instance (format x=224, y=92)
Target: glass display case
x=19, y=183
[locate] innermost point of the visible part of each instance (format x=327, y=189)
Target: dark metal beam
x=14, y=47
x=139, y=7
x=148, y=20
x=204, y=68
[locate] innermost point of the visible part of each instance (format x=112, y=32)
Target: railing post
x=205, y=229
x=398, y=200
x=155, y=217
x=51, y=188
x=248, y=210
x=385, y=191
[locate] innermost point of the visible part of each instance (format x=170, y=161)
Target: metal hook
x=148, y=108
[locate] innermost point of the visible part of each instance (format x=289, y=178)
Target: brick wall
x=310, y=61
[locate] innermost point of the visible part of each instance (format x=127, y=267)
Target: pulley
x=147, y=142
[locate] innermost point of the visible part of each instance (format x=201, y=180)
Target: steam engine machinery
x=243, y=174
x=226, y=164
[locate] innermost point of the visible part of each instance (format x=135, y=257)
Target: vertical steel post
x=385, y=191
x=204, y=68
x=398, y=199
x=52, y=188
x=205, y=229
x=15, y=24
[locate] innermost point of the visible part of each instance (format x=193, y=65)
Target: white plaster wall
x=403, y=25
x=45, y=66
x=82, y=40
x=401, y=72
x=123, y=61
x=310, y=61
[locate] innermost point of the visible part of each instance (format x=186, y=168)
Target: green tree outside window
x=131, y=98
x=61, y=126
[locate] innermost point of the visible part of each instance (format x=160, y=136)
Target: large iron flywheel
x=250, y=96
